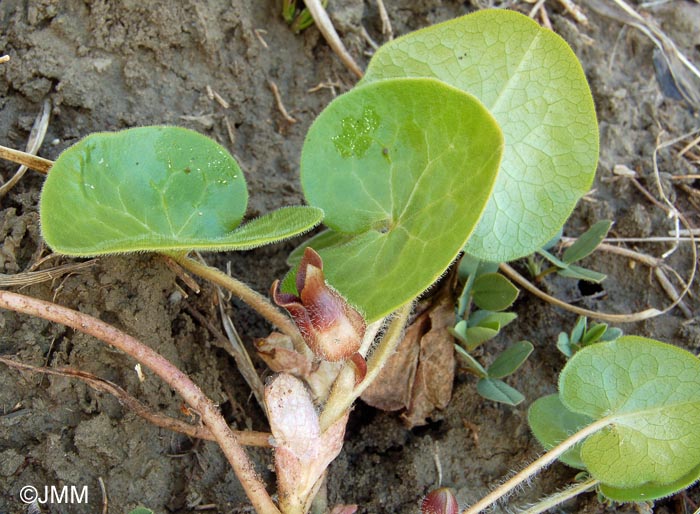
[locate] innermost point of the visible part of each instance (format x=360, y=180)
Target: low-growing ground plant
x=474, y=136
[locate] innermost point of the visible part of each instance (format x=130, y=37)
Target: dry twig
x=213, y=95
x=259, y=34
x=278, y=100
x=35, y=277
x=105, y=500
x=36, y=138
x=575, y=11
x=386, y=22
x=325, y=25
x=25, y=159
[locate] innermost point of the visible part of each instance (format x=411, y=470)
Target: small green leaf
x=552, y=258
x=470, y=361
x=141, y=510
x=404, y=166
x=611, y=334
x=532, y=83
x=594, y=333
x=468, y=267
x=498, y=391
x=564, y=344
x=493, y=292
x=579, y=273
x=510, y=360
x=650, y=393
x=579, y=329
x=587, y=242
x=460, y=329
x=551, y=423
x=476, y=336
x=490, y=319
x=464, y=298
x=289, y=9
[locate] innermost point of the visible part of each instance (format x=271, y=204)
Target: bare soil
x=112, y=65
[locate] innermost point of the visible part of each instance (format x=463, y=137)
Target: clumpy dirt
x=112, y=65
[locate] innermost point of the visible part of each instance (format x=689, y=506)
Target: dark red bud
x=440, y=501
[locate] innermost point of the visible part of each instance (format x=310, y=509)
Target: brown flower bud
x=330, y=326
x=440, y=501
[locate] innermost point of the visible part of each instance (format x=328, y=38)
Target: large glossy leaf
x=154, y=189
x=650, y=392
x=534, y=86
x=405, y=167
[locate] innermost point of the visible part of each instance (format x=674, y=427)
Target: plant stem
x=536, y=466
x=560, y=497
x=254, y=299
x=546, y=272
x=342, y=395
x=26, y=159
x=612, y=318
x=179, y=381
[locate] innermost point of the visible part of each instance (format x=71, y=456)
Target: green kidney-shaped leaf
x=405, y=167
x=534, y=86
x=154, y=189
x=650, y=392
x=551, y=423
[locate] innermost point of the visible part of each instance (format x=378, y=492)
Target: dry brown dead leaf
x=419, y=376
x=432, y=386
x=391, y=390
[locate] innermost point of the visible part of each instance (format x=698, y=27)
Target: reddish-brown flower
x=330, y=326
